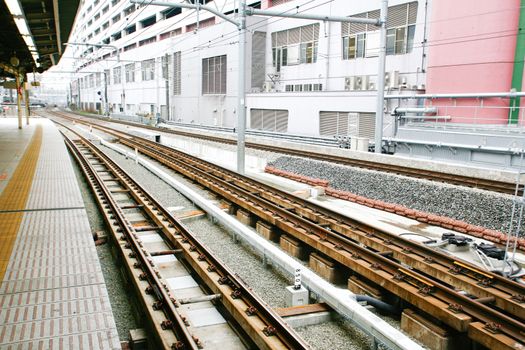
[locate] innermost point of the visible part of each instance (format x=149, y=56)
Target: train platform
x=52, y=292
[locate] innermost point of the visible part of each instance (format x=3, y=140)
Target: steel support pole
x=106, y=102
x=18, y=101
x=378, y=140
x=241, y=94
x=26, y=99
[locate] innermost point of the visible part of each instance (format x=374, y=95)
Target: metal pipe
x=269, y=13
x=199, y=299
x=187, y=6
x=378, y=304
x=378, y=139
x=466, y=95
x=415, y=110
x=241, y=94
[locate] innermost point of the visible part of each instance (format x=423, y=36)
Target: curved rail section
x=487, y=306
x=461, y=180
x=178, y=278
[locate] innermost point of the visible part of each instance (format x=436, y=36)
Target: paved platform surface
x=52, y=292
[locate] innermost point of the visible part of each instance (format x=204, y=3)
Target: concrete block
x=309, y=319
x=317, y=191
x=358, y=286
x=138, y=339
x=245, y=217
x=325, y=268
x=296, y=297
x=292, y=247
x=304, y=194
x=267, y=231
x=425, y=331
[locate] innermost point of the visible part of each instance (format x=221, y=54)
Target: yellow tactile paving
x=14, y=197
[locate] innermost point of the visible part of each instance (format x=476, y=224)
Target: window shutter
x=375, y=15
x=397, y=16
x=357, y=27
x=281, y=120
x=353, y=122
x=412, y=12
x=256, y=118
x=307, y=33
x=294, y=36
x=328, y=123
x=366, y=125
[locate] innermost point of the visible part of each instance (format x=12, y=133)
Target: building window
x=116, y=36
x=275, y=120
x=105, y=25
x=148, y=22
x=170, y=34
x=128, y=11
x=131, y=29
x=97, y=16
x=295, y=46
x=171, y=12
x=177, y=73
x=130, y=72
x=98, y=79
x=115, y=19
x=147, y=68
x=214, y=75
x=105, y=9
x=97, y=31
x=164, y=61
x=117, y=75
x=130, y=47
x=362, y=40
x=148, y=41
x=114, y=2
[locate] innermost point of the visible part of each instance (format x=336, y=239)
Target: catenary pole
x=378, y=139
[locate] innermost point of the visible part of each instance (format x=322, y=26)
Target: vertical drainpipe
x=517, y=73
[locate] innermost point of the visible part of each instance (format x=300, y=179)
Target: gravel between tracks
x=477, y=207
x=267, y=283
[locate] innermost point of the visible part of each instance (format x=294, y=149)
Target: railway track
x=486, y=306
x=178, y=278
x=460, y=180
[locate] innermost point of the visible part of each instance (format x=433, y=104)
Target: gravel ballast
x=477, y=207
x=266, y=282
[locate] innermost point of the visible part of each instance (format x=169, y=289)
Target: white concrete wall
x=191, y=106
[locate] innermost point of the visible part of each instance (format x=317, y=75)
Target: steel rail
x=508, y=294
x=460, y=180
x=341, y=244
x=217, y=275
x=286, y=219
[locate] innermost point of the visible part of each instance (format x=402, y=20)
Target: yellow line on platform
x=14, y=197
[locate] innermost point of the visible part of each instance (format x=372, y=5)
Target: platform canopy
x=33, y=31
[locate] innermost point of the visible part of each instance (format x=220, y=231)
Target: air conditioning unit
x=267, y=86
x=392, y=80
x=358, y=83
x=349, y=83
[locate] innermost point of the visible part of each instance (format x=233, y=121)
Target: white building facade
x=302, y=77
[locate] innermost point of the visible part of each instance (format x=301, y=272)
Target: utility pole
x=166, y=67
x=106, y=108
x=378, y=139
x=241, y=96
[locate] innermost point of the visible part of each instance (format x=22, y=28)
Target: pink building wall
x=471, y=49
